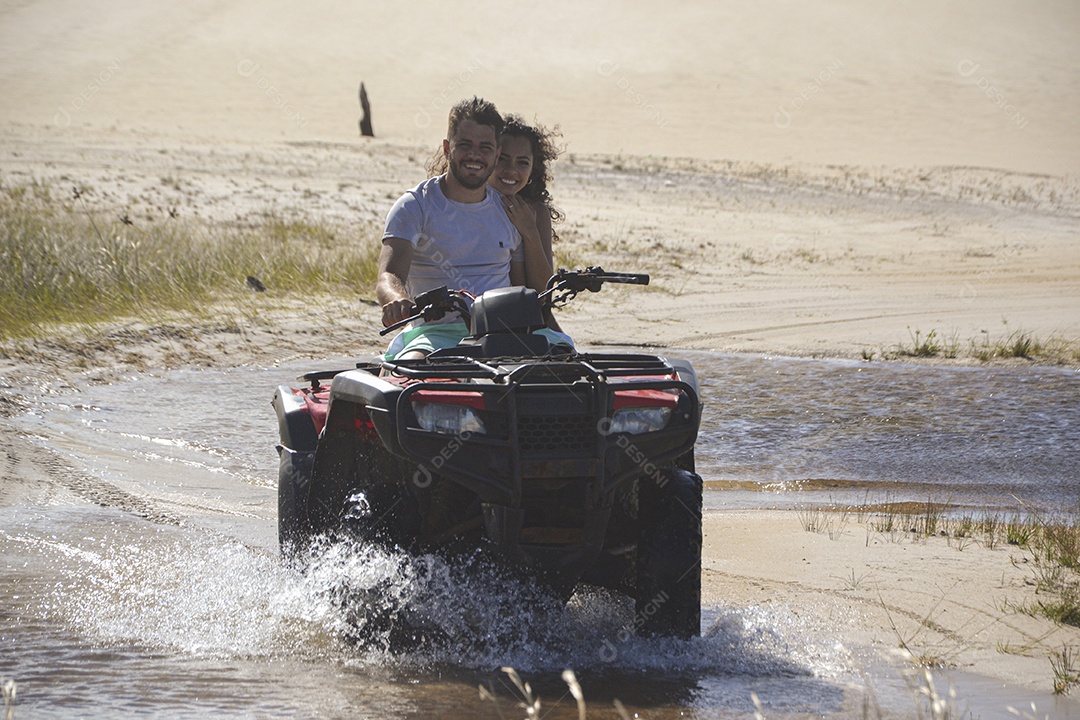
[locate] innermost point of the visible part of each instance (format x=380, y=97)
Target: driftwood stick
x=365, y=118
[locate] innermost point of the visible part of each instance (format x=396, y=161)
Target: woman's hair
x=544, y=151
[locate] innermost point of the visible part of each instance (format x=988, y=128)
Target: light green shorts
x=427, y=338
x=435, y=336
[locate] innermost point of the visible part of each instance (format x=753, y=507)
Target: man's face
x=471, y=153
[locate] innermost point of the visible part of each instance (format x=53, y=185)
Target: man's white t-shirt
x=465, y=246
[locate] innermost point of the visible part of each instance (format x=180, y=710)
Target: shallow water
x=810, y=431
x=168, y=599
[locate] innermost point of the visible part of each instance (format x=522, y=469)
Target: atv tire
x=294, y=482
x=668, y=592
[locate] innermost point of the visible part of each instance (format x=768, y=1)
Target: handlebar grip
x=399, y=323
x=626, y=278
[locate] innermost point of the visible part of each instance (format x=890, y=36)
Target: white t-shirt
x=465, y=246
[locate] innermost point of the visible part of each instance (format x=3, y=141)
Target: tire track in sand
x=27, y=466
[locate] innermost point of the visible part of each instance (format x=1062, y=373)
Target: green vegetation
x=930, y=346
x=65, y=262
x=1017, y=345
x=1066, y=673
x=1013, y=345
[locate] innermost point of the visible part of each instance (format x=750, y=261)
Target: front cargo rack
x=596, y=367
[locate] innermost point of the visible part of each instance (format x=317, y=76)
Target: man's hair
x=478, y=110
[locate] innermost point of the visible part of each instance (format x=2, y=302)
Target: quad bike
x=569, y=467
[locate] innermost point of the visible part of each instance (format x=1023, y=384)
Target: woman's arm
x=543, y=228
x=538, y=268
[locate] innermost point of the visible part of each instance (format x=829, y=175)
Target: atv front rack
x=595, y=367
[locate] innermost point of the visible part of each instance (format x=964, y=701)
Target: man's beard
x=470, y=183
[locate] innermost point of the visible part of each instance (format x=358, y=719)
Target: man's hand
x=396, y=311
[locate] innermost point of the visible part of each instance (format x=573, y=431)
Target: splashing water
x=205, y=596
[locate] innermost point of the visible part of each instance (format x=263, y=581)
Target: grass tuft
x=921, y=347
x=1064, y=665
x=8, y=690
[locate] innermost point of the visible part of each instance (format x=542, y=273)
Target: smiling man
x=449, y=230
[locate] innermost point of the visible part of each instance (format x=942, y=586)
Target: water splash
x=195, y=594
x=430, y=611
x=206, y=596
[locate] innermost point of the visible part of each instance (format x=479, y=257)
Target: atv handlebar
x=565, y=284
x=561, y=289
x=591, y=278
x=434, y=304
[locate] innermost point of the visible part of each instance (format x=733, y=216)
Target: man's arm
x=394, y=263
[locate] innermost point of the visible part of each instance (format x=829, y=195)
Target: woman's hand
x=537, y=262
x=522, y=215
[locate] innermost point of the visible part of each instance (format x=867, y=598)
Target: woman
x=522, y=172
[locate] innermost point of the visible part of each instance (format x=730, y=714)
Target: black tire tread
x=668, y=594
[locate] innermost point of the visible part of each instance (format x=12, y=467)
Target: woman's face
x=513, y=166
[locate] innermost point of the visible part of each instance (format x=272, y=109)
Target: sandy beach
x=821, y=179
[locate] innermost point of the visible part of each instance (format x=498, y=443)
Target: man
x=452, y=230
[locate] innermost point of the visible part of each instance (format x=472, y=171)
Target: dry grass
x=8, y=689
x=529, y=702
x=1051, y=544
x=931, y=701
x=68, y=262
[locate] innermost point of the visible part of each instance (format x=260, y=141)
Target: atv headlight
x=638, y=420
x=448, y=419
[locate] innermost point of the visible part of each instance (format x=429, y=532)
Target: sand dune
x=825, y=82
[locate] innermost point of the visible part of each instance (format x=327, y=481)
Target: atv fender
x=295, y=427
x=686, y=372
x=378, y=396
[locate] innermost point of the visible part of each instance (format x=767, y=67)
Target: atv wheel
x=294, y=481
x=668, y=593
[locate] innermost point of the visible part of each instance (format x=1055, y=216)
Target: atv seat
x=506, y=310
x=514, y=345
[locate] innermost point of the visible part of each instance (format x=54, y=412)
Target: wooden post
x=365, y=118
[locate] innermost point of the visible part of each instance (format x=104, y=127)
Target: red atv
x=571, y=467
